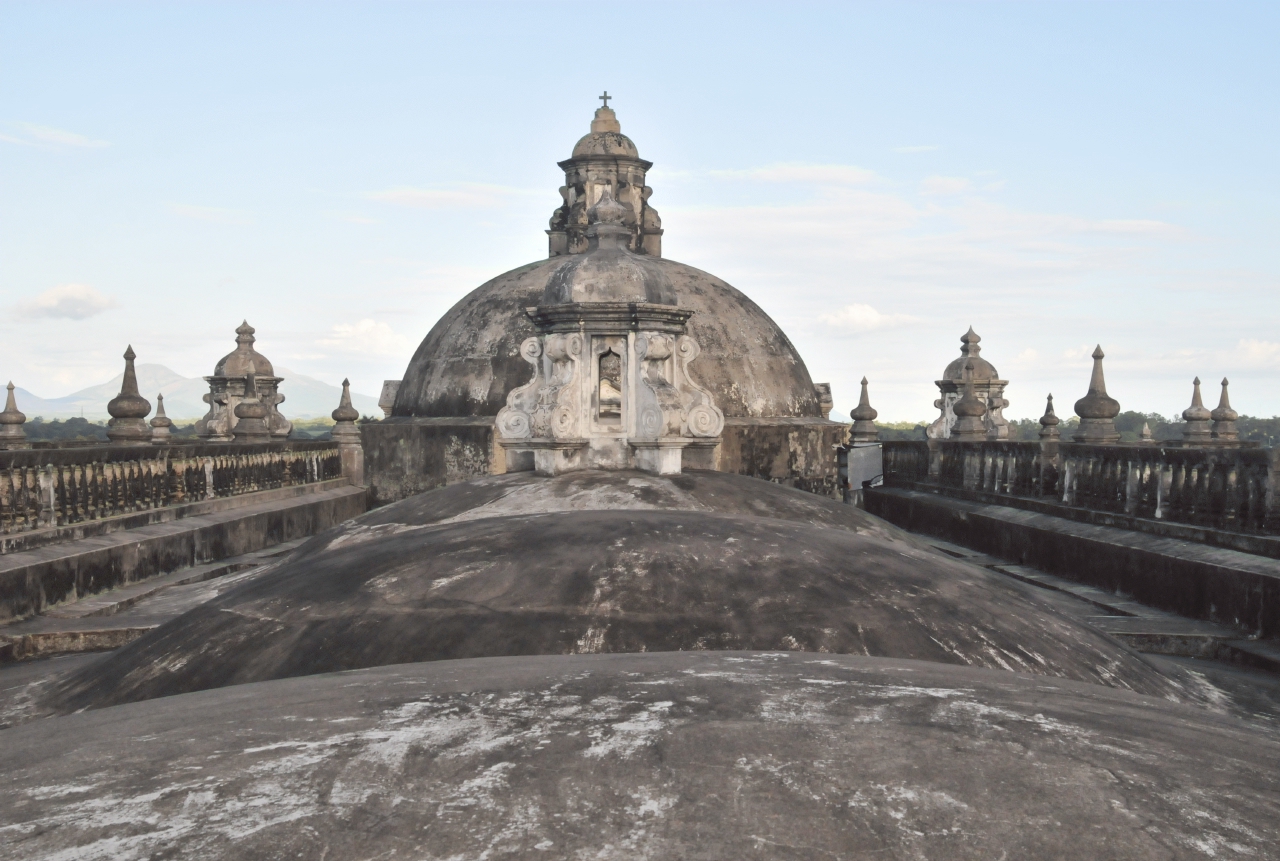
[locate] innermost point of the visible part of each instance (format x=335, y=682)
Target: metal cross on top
x=605, y=98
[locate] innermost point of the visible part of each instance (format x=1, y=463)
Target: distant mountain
x=305, y=397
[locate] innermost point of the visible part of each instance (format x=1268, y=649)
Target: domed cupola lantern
x=228, y=387
x=987, y=387
x=611, y=386
x=605, y=159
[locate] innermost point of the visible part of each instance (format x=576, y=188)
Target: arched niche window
x=609, y=396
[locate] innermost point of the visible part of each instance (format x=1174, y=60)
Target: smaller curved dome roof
x=608, y=271
x=605, y=143
x=982, y=369
x=605, y=138
x=236, y=363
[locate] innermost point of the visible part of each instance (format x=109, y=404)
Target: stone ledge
x=1258, y=545
x=19, y=542
x=33, y=581
x=1194, y=580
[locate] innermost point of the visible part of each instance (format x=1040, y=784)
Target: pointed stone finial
x=969, y=410
x=129, y=409
x=1049, y=421
x=1224, y=418
x=864, y=419
x=251, y=412
x=11, y=421
x=1196, y=431
x=161, y=424
x=1097, y=410
x=244, y=334
x=969, y=341
x=345, y=412
x=1145, y=437
x=347, y=435
x=344, y=417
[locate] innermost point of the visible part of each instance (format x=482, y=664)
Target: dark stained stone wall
x=408, y=456
x=796, y=452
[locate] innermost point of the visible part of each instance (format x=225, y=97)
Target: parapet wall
x=405, y=456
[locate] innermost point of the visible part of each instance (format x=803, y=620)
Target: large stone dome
x=471, y=358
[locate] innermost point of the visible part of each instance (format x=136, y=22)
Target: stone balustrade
x=1234, y=488
x=60, y=487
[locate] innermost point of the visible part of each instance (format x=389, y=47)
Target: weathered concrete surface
x=406, y=456
x=1188, y=578
x=405, y=584
x=799, y=452
x=471, y=358
x=34, y=580
x=605, y=490
x=660, y=756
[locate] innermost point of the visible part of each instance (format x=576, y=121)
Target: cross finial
x=605, y=98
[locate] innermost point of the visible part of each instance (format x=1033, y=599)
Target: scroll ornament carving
x=544, y=406
x=514, y=420
x=661, y=410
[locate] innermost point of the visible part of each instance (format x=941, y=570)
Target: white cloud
x=213, y=214
x=1028, y=355
x=36, y=134
x=1253, y=353
x=68, y=302
x=368, y=337
x=863, y=318
x=918, y=148
x=461, y=195
x=941, y=185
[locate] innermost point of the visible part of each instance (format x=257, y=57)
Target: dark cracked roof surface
x=606, y=562
x=707, y=755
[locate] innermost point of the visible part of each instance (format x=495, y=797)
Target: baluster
x=6, y=504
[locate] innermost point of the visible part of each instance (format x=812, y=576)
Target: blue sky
x=877, y=176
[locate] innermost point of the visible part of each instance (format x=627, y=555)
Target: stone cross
x=605, y=98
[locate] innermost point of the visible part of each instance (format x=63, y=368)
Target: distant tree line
x=1129, y=423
